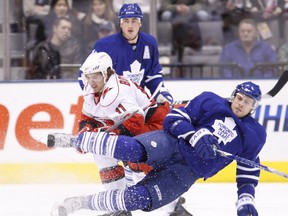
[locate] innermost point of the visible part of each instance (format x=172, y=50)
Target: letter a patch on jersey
x=146, y=54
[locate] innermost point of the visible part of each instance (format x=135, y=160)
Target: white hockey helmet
x=97, y=62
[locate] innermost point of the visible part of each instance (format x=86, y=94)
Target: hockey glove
x=164, y=96
x=246, y=206
x=205, y=144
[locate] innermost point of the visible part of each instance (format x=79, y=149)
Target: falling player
x=188, y=145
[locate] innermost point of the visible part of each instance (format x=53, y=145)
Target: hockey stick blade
x=251, y=163
x=278, y=86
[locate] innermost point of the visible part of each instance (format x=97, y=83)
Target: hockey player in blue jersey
x=134, y=53
x=184, y=152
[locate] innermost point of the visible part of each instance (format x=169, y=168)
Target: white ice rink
x=203, y=199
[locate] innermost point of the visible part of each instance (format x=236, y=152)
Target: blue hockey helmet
x=130, y=11
x=249, y=89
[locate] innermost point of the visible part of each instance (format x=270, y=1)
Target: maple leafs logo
x=224, y=131
x=136, y=74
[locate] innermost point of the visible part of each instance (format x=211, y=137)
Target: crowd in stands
x=88, y=20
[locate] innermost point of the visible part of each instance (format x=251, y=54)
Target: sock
x=112, y=200
x=131, y=199
x=100, y=143
x=128, y=176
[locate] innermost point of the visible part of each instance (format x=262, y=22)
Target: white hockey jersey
x=118, y=98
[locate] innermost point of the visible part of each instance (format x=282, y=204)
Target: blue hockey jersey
x=244, y=137
x=139, y=62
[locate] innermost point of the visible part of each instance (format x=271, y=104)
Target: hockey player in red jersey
x=108, y=98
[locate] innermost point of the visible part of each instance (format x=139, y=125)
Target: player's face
x=242, y=105
x=130, y=28
x=96, y=81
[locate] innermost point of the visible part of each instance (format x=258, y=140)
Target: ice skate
x=70, y=205
x=179, y=210
x=61, y=140
x=119, y=213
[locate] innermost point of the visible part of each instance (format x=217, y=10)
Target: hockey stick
x=251, y=163
x=272, y=93
x=278, y=86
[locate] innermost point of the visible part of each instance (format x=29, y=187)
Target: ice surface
x=203, y=199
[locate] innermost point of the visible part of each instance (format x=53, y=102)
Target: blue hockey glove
x=246, y=206
x=205, y=144
x=164, y=96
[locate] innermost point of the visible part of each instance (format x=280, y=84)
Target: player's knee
x=137, y=197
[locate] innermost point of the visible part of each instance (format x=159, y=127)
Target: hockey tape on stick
x=251, y=163
x=278, y=86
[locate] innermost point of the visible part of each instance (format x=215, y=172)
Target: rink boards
x=29, y=111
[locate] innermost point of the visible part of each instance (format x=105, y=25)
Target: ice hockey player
x=108, y=98
x=188, y=146
x=134, y=53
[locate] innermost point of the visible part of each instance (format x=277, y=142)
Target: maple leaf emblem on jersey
x=105, y=91
x=136, y=74
x=224, y=131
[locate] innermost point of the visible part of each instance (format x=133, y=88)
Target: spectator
x=235, y=11
x=59, y=49
x=184, y=16
x=37, y=9
x=106, y=28
x=261, y=11
x=80, y=7
x=266, y=10
x=60, y=8
x=100, y=11
x=247, y=51
x=171, y=9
